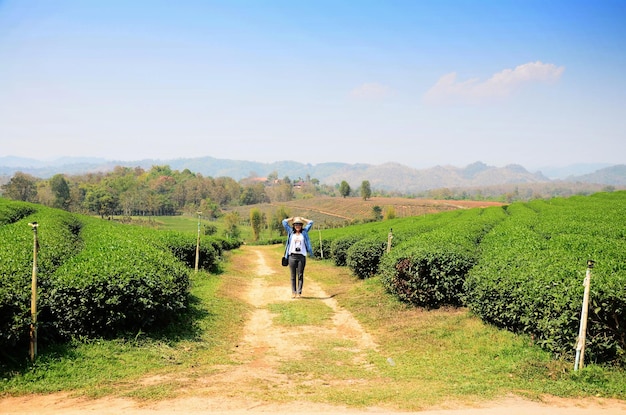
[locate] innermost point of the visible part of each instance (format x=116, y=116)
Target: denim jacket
x=305, y=233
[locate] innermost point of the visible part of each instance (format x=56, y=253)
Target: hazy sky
x=417, y=82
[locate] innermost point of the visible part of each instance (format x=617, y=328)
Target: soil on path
x=263, y=347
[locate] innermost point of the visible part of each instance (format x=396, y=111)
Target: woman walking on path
x=296, y=250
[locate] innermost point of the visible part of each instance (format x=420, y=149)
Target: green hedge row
x=429, y=269
x=96, y=278
x=363, y=257
x=520, y=267
x=58, y=241
x=334, y=243
x=14, y=211
x=530, y=277
x=211, y=249
x=121, y=281
x=340, y=246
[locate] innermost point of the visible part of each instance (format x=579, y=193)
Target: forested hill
x=611, y=175
x=388, y=176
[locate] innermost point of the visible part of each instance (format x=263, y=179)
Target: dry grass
x=337, y=211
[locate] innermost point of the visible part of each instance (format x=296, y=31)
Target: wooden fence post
x=389, y=238
x=198, y=244
x=321, y=248
x=580, y=344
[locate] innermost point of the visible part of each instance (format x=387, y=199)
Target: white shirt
x=297, y=245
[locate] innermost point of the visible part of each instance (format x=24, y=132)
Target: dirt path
x=263, y=347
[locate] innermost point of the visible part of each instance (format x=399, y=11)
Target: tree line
x=162, y=191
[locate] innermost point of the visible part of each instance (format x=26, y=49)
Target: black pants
x=297, y=262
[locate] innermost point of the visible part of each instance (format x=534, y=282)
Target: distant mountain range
x=388, y=176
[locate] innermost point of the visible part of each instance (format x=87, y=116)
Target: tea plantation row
x=96, y=278
x=520, y=267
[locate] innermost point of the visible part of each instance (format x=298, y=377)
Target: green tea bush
x=429, y=273
x=122, y=281
x=225, y=244
x=11, y=212
x=58, y=239
x=269, y=241
x=339, y=248
x=401, y=228
x=183, y=246
x=321, y=246
x=364, y=256
x=530, y=276
x=95, y=278
x=429, y=269
x=211, y=249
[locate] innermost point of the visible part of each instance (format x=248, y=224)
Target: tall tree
x=22, y=187
x=366, y=190
x=61, y=191
x=45, y=195
x=253, y=194
x=344, y=189
x=276, y=223
x=232, y=220
x=256, y=221
x=101, y=200
x=210, y=208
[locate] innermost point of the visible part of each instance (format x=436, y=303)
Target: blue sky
x=421, y=83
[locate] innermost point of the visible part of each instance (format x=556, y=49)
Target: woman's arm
x=286, y=225
x=308, y=225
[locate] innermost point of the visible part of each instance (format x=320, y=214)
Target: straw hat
x=298, y=219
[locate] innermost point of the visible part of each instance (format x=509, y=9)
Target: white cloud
x=501, y=84
x=370, y=91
